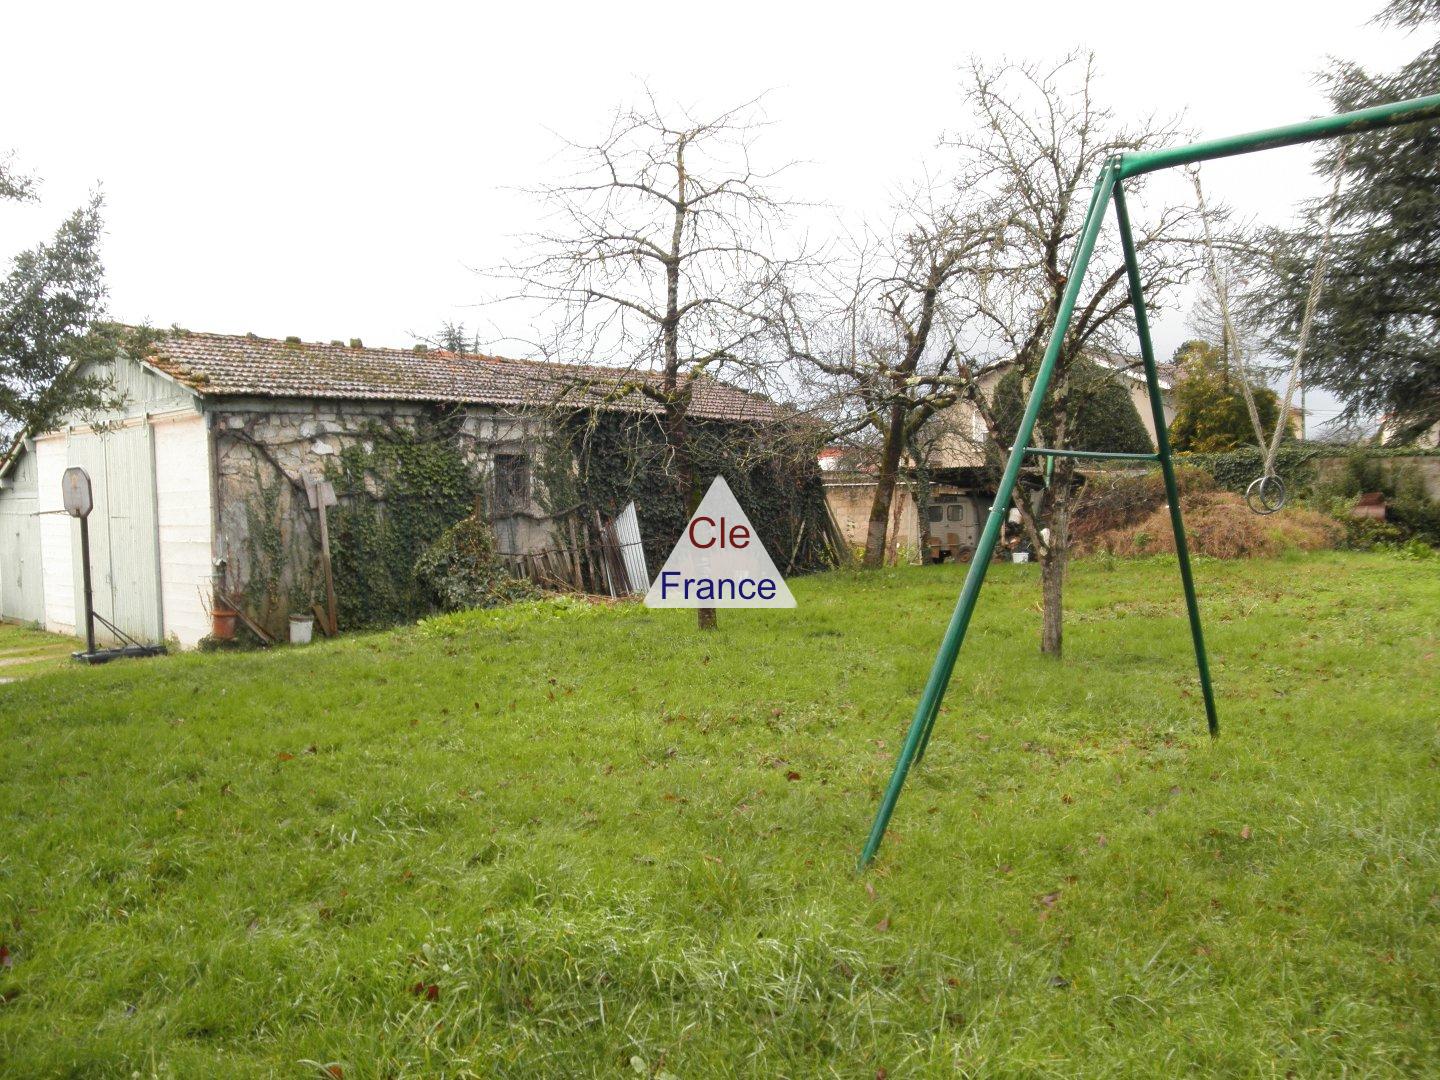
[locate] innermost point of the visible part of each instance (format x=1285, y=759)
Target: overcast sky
x=334, y=171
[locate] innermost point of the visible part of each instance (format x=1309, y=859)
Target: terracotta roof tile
x=226, y=365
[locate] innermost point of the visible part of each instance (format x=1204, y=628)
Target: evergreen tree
x=1376, y=340
x=1210, y=413
x=49, y=303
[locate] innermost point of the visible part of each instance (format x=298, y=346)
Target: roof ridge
x=249, y=365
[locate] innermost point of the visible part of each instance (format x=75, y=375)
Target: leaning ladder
x=1110, y=186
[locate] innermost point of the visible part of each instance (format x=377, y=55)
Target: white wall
x=56, y=557
x=180, y=520
x=22, y=596
x=182, y=488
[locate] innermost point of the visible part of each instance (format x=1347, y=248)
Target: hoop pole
x=1162, y=446
x=85, y=566
x=929, y=706
x=1375, y=118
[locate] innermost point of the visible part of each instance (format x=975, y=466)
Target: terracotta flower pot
x=222, y=623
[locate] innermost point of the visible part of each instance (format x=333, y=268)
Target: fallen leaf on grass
x=792, y=775
x=284, y=756
x=429, y=991
x=883, y=926
x=1245, y=833
x=870, y=889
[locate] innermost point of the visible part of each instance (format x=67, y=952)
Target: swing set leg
x=928, y=709
x=1167, y=467
x=1416, y=110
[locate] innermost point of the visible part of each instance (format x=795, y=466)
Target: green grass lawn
x=570, y=841
x=25, y=652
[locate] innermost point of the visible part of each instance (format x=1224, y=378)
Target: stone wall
x=1331, y=468
x=267, y=535
x=850, y=497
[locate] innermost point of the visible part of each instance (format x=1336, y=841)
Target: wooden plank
x=332, y=625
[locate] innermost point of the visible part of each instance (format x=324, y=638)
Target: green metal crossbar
x=1108, y=187
x=1104, y=455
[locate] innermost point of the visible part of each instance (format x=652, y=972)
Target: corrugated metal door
x=182, y=484
x=21, y=594
x=134, y=563
x=57, y=557
x=124, y=563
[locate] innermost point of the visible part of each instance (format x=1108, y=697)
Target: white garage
x=201, y=475
x=150, y=530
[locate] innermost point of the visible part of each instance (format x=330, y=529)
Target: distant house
x=1429, y=439
x=209, y=422
x=960, y=491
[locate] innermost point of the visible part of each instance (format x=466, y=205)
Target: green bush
x=1365, y=534
x=1234, y=470
x=462, y=571
x=1100, y=415
x=1210, y=411
x=1410, y=513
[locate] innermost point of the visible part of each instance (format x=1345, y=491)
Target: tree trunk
x=678, y=436
x=884, y=489
x=1052, y=591
x=678, y=403
x=1054, y=561
x=922, y=502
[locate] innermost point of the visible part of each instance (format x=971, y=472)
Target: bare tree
x=893, y=335
x=659, y=258
x=1040, y=139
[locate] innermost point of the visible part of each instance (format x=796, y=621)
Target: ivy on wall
x=403, y=486
x=265, y=596
x=399, y=489
x=620, y=457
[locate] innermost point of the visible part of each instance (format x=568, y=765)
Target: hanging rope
x=1266, y=493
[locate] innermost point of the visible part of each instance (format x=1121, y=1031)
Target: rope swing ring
x=1266, y=493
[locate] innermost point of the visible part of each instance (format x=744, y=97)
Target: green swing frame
x=1110, y=186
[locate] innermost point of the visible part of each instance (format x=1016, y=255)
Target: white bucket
x=1015, y=556
x=301, y=629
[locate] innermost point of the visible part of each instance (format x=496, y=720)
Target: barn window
x=936, y=513
x=954, y=512
x=512, y=481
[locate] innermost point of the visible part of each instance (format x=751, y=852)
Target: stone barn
x=200, y=477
